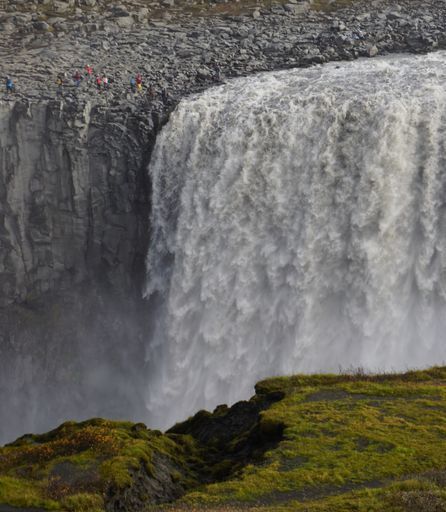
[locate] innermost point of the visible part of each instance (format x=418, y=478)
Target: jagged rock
x=204, y=73
x=297, y=8
x=7, y=27
x=119, y=11
x=41, y=26
x=62, y=7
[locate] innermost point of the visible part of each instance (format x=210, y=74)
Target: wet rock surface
x=74, y=187
x=74, y=196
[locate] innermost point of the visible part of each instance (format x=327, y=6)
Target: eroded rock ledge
x=74, y=187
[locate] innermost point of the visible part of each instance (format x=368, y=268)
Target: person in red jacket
x=88, y=71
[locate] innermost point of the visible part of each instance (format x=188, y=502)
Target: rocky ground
x=188, y=46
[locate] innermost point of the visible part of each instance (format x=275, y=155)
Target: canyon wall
x=73, y=195
x=74, y=230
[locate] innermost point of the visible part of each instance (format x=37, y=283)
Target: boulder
x=41, y=26
x=124, y=21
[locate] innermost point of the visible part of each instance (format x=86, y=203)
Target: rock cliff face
x=74, y=202
x=74, y=227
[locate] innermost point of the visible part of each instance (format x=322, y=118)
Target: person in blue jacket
x=133, y=84
x=9, y=85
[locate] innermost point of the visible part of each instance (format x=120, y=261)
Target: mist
x=298, y=226
x=72, y=356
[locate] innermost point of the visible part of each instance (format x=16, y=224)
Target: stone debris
x=172, y=44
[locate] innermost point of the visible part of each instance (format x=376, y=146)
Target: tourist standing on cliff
x=165, y=96
x=88, y=71
x=133, y=84
x=59, y=83
x=216, y=70
x=105, y=82
x=77, y=78
x=151, y=93
x=139, y=82
x=9, y=85
x=99, y=83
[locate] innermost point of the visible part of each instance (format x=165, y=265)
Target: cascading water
x=299, y=225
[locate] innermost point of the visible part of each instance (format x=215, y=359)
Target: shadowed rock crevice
x=233, y=436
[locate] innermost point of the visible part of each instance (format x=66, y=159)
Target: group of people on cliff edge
x=103, y=82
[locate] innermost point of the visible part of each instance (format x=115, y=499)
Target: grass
x=14, y=492
x=358, y=443
x=349, y=442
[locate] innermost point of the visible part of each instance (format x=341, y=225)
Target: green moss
x=347, y=443
x=23, y=493
x=72, y=466
x=83, y=503
x=347, y=438
x=116, y=471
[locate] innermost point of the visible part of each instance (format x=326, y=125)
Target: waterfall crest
x=299, y=225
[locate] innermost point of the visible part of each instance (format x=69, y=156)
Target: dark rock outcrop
x=74, y=197
x=74, y=209
x=233, y=436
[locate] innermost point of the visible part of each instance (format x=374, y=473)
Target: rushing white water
x=299, y=225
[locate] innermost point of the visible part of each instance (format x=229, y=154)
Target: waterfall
x=299, y=225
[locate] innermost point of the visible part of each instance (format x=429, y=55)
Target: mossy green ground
x=74, y=466
x=350, y=443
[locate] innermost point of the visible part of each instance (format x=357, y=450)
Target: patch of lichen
x=349, y=441
x=73, y=467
